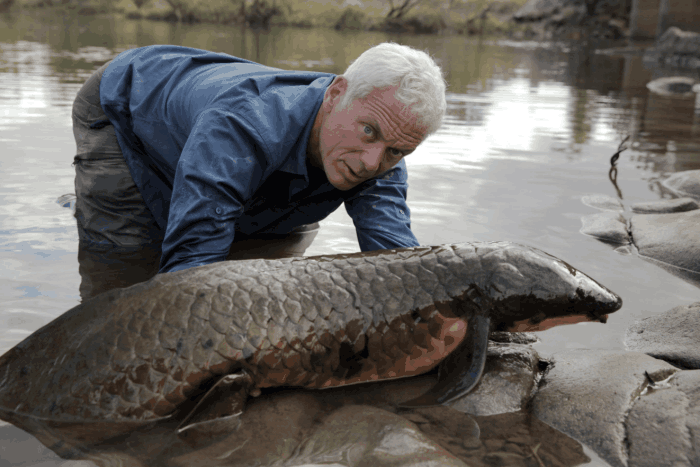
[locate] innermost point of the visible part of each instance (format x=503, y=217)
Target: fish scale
x=315, y=322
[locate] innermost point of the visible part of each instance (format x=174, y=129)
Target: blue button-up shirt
x=217, y=147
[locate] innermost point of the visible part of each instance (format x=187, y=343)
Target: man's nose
x=372, y=158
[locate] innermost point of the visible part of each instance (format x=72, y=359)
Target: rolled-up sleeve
x=380, y=212
x=221, y=166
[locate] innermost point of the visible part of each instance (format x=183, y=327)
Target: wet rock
x=619, y=26
x=673, y=336
x=625, y=250
x=630, y=50
x=603, y=202
x=665, y=206
x=586, y=394
x=663, y=426
x=670, y=238
x=568, y=17
x=507, y=382
x=567, y=14
x=665, y=232
x=684, y=184
x=514, y=337
x=673, y=86
x=675, y=40
x=505, y=386
x=609, y=227
x=535, y=10
x=676, y=47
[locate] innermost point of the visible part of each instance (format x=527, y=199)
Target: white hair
x=421, y=86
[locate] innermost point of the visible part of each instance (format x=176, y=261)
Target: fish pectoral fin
x=461, y=370
x=220, y=407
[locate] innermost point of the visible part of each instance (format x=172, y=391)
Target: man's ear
x=335, y=92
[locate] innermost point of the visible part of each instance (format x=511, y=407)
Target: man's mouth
x=355, y=177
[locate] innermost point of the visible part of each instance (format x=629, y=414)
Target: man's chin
x=345, y=186
x=342, y=183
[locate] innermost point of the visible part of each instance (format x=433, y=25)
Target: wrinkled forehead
x=397, y=119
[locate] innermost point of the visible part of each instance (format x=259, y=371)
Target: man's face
x=366, y=138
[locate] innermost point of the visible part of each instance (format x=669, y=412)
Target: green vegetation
x=412, y=16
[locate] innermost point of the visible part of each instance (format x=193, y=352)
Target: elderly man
x=188, y=157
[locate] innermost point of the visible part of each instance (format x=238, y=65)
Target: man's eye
x=395, y=152
x=369, y=131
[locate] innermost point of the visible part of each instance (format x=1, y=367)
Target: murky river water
x=530, y=130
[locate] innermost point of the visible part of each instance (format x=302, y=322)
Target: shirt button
x=218, y=210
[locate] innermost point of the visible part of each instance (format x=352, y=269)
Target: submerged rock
x=673, y=336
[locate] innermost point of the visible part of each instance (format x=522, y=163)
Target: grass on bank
x=460, y=16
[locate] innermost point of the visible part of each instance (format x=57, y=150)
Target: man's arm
x=380, y=212
x=220, y=168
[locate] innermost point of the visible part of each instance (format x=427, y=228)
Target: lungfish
x=180, y=343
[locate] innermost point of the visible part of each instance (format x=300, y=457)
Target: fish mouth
x=532, y=290
x=598, y=301
x=592, y=303
x=527, y=325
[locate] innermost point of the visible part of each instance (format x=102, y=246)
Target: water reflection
x=529, y=131
x=479, y=441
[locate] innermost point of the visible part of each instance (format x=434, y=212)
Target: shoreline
x=494, y=19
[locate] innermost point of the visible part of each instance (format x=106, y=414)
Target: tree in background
x=401, y=9
x=260, y=12
x=181, y=9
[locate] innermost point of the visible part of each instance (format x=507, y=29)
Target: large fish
x=173, y=347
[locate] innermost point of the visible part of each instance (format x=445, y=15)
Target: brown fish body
x=135, y=355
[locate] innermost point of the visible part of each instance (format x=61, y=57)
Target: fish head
x=530, y=290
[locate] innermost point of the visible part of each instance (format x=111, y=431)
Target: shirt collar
x=296, y=163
